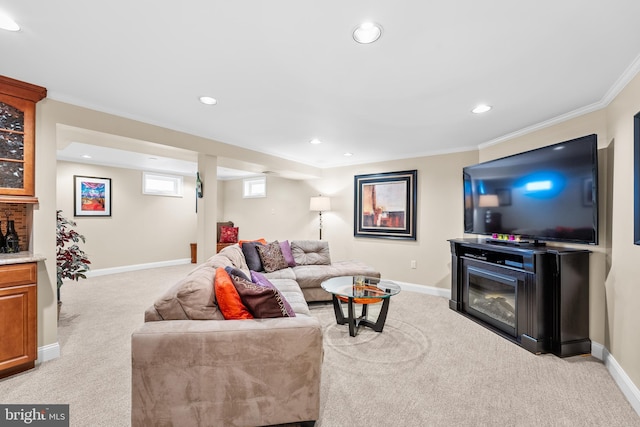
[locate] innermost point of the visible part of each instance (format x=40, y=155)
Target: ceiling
x=287, y=71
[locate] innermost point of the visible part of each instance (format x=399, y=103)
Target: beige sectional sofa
x=190, y=367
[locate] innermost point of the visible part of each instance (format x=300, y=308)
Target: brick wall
x=17, y=213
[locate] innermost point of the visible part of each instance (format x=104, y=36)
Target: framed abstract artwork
x=385, y=205
x=92, y=196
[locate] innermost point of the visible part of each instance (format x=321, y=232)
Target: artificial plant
x=72, y=262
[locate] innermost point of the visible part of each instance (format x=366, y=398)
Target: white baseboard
x=48, y=352
x=628, y=388
x=127, y=268
x=597, y=350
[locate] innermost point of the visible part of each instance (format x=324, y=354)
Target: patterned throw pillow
x=260, y=280
x=261, y=301
x=227, y=297
x=228, y=234
x=272, y=257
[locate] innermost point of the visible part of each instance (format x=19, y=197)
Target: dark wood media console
x=535, y=296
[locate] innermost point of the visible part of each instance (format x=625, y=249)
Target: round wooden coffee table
x=360, y=290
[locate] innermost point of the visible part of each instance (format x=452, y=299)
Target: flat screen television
x=547, y=194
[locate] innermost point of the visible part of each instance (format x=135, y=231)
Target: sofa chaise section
x=212, y=371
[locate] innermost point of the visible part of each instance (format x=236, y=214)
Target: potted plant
x=72, y=262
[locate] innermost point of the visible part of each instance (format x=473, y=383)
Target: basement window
x=155, y=184
x=254, y=187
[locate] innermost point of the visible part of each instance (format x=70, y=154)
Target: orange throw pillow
x=263, y=241
x=228, y=298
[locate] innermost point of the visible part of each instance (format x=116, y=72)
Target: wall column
x=207, y=207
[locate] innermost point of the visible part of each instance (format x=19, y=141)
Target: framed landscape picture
x=385, y=205
x=92, y=196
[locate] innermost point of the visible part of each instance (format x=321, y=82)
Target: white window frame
x=174, y=190
x=254, y=187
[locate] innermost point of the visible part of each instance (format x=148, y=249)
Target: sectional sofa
x=191, y=367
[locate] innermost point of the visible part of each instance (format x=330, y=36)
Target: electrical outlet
x=413, y=264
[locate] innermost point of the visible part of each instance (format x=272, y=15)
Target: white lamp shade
x=320, y=203
x=488, y=201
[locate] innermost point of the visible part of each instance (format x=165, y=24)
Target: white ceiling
x=287, y=71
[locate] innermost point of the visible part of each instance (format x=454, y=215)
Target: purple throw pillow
x=260, y=280
x=286, y=251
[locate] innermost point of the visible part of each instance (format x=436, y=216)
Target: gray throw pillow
x=251, y=255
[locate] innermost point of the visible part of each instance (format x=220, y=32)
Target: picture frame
x=636, y=179
x=92, y=196
x=385, y=205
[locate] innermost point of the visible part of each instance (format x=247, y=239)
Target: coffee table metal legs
x=355, y=323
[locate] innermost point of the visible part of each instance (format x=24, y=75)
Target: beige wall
x=141, y=229
x=622, y=284
x=284, y=213
x=55, y=121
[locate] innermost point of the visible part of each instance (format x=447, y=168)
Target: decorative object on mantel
x=71, y=261
x=319, y=204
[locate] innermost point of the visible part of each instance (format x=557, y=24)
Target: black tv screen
x=550, y=193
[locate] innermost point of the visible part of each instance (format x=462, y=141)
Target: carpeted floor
x=429, y=367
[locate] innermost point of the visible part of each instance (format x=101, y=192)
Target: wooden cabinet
x=18, y=317
x=544, y=288
x=221, y=246
x=17, y=137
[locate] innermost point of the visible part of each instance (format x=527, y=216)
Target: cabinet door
x=17, y=149
x=18, y=326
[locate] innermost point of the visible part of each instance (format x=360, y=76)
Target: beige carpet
x=429, y=367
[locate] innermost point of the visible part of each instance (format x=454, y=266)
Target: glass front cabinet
x=17, y=136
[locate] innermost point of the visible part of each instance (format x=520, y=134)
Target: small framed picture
x=92, y=196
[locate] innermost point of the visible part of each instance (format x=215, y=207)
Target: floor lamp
x=319, y=204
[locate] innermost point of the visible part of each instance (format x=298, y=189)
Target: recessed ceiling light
x=6, y=23
x=207, y=100
x=482, y=108
x=348, y=154
x=367, y=32
x=315, y=141
x=85, y=156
